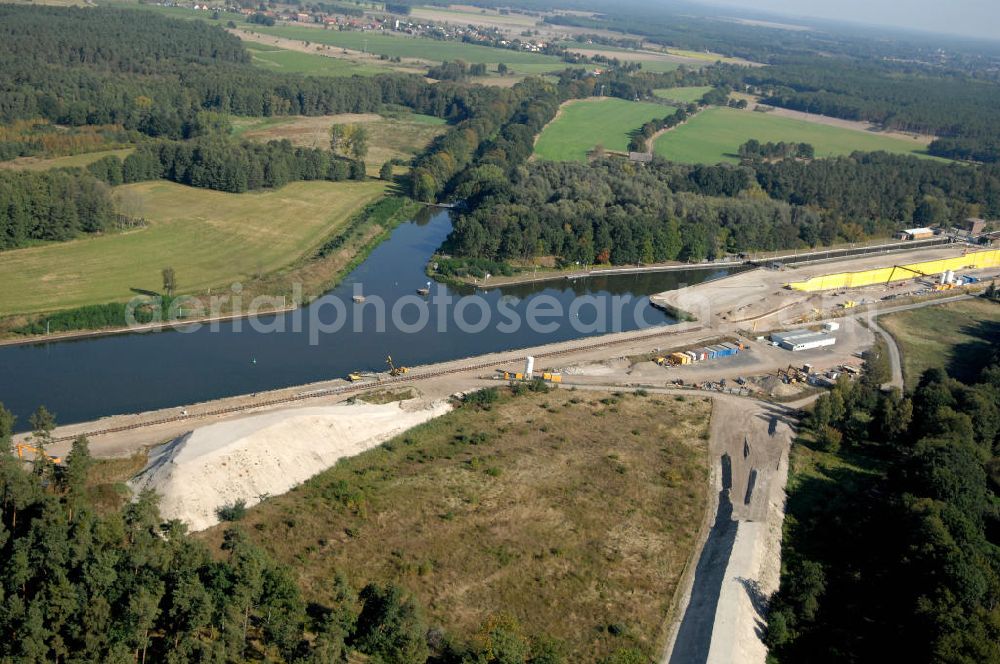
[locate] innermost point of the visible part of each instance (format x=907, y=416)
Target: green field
x=397, y=137
x=414, y=47
x=957, y=337
x=584, y=124
x=294, y=62
x=716, y=134
x=72, y=161
x=210, y=238
x=685, y=95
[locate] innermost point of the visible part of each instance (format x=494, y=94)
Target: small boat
x=253, y=360
x=426, y=290
x=358, y=299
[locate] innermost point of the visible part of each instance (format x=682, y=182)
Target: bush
x=234, y=512
x=484, y=398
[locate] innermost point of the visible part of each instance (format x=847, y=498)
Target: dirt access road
x=722, y=604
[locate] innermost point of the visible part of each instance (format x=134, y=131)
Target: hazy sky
x=979, y=18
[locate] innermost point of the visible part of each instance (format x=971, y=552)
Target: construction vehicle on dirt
x=393, y=369
x=24, y=448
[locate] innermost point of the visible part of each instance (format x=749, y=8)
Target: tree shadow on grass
x=968, y=358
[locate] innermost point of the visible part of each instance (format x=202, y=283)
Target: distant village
x=340, y=17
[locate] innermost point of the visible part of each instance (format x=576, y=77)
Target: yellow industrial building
x=882, y=275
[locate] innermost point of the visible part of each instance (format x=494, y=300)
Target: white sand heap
x=265, y=455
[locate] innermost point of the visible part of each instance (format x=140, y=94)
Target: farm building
x=796, y=340
x=916, y=234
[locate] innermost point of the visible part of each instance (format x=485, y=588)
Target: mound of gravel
x=265, y=455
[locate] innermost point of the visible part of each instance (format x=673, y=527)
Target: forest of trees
x=155, y=74
x=895, y=557
x=225, y=164
x=51, y=205
x=611, y=211
x=85, y=581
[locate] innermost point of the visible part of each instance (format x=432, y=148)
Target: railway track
x=360, y=387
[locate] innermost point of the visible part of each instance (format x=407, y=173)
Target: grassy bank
x=541, y=508
x=210, y=238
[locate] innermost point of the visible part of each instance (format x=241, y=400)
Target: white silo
x=529, y=366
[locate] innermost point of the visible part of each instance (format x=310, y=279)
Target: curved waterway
x=84, y=379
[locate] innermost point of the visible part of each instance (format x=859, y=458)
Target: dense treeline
x=640, y=141
x=51, y=205
x=754, y=150
x=104, y=584
x=154, y=74
x=878, y=186
x=613, y=211
x=895, y=556
x=226, y=165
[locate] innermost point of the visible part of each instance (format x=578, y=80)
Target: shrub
x=233, y=512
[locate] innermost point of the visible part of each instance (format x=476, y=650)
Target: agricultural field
x=715, y=135
x=957, y=337
x=210, y=238
x=399, y=137
x=71, y=161
x=683, y=95
x=402, y=46
x=295, y=62
x=582, y=125
x=475, y=16
x=543, y=508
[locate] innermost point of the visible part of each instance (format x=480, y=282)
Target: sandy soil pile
x=265, y=455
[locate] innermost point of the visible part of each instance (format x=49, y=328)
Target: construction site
x=761, y=343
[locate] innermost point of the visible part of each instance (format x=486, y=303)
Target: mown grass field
x=545, y=508
x=210, y=238
x=582, y=125
x=957, y=337
x=294, y=62
x=71, y=161
x=683, y=95
x=403, y=46
x=397, y=137
x=715, y=135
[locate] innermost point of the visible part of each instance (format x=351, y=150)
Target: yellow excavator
x=24, y=448
x=393, y=369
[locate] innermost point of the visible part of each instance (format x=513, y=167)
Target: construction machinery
x=354, y=376
x=905, y=268
x=792, y=374
x=393, y=369
x=24, y=448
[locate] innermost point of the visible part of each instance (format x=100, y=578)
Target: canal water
x=85, y=379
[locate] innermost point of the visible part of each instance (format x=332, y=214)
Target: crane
x=393, y=369
x=903, y=267
x=22, y=448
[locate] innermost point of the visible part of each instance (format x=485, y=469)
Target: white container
x=831, y=326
